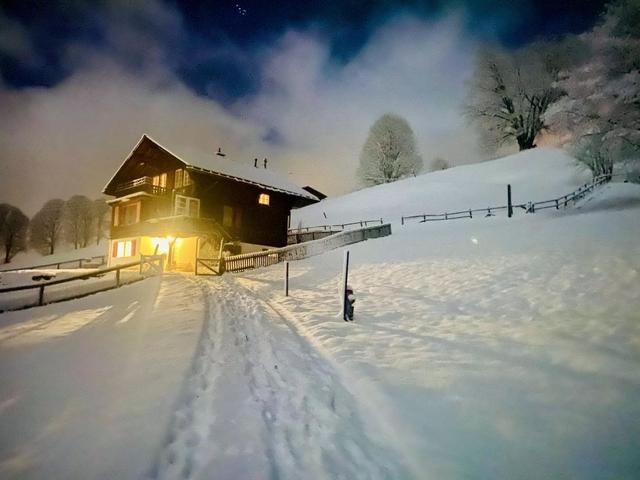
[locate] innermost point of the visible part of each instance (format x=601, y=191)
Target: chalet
x=188, y=205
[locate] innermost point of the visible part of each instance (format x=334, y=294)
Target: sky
x=299, y=82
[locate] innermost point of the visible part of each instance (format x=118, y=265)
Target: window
x=160, y=180
x=263, y=199
x=231, y=217
x=126, y=214
x=124, y=248
x=187, y=206
x=182, y=179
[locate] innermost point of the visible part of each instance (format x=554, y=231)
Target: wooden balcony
x=176, y=226
x=142, y=184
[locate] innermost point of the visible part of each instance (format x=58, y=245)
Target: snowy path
x=261, y=403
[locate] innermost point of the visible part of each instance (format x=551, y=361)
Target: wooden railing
x=529, y=207
x=88, y=262
x=127, y=273
x=142, y=183
x=246, y=261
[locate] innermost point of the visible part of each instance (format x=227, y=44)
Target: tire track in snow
x=260, y=403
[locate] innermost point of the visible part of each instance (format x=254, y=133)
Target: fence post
x=41, y=295
x=470, y=214
x=344, y=286
x=381, y=222
x=286, y=278
x=557, y=204
x=445, y=216
x=402, y=220
x=509, y=204
x=117, y=278
x=80, y=263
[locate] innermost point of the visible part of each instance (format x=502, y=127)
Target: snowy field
x=484, y=348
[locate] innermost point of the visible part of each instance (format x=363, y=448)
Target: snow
x=534, y=175
x=484, y=348
x=32, y=257
x=87, y=385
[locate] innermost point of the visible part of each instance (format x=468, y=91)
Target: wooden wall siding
x=261, y=224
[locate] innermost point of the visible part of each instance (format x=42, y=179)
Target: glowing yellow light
x=170, y=238
x=161, y=244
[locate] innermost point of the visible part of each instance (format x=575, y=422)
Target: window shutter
x=114, y=254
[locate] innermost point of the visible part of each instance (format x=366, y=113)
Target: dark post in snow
x=345, y=300
x=509, y=204
x=286, y=278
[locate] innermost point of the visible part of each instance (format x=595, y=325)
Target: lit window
x=187, y=206
x=178, y=179
x=124, y=248
x=160, y=180
x=263, y=199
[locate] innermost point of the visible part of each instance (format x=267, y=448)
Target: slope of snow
x=31, y=257
x=534, y=175
x=495, y=348
x=88, y=386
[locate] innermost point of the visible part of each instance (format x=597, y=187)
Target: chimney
x=220, y=154
x=255, y=162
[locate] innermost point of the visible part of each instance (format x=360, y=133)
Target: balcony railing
x=142, y=184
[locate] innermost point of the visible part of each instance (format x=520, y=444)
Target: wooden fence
x=529, y=207
x=87, y=262
x=109, y=278
x=246, y=261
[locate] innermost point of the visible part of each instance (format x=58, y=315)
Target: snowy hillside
x=534, y=175
x=485, y=348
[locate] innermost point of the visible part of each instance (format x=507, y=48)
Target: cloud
x=310, y=114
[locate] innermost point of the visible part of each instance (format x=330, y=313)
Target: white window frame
x=188, y=201
x=124, y=247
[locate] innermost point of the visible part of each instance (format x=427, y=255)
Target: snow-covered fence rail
x=41, y=293
x=337, y=226
x=246, y=261
x=86, y=262
x=316, y=232
x=529, y=207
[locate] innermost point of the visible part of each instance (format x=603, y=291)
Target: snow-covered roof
x=223, y=166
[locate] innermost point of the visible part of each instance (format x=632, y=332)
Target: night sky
x=195, y=44
x=298, y=82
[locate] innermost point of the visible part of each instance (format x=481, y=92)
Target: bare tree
x=46, y=226
x=13, y=230
x=78, y=221
x=594, y=152
x=439, y=163
x=511, y=91
x=100, y=217
x=603, y=90
x=389, y=153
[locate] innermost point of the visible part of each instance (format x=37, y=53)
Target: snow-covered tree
x=511, y=91
x=603, y=92
x=13, y=230
x=46, y=226
x=78, y=221
x=594, y=152
x=438, y=163
x=389, y=153
x=100, y=218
